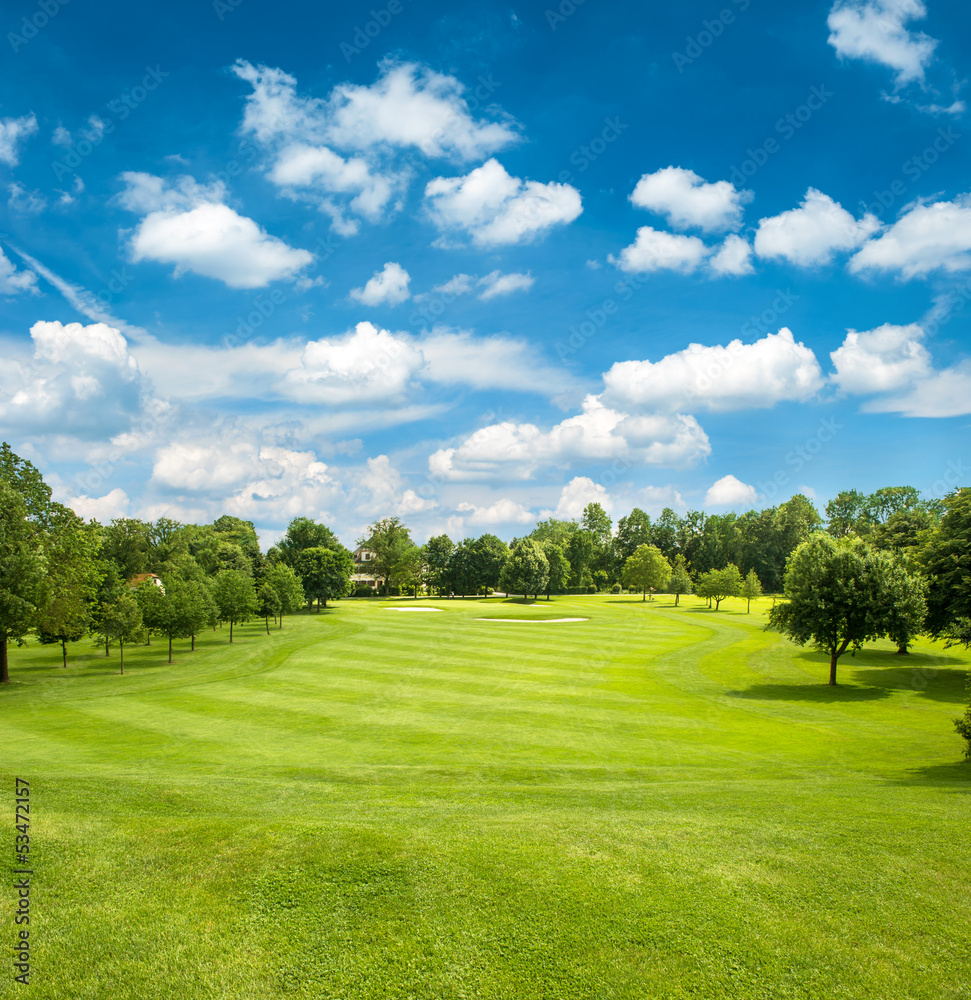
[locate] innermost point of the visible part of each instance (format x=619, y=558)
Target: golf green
x=653, y=802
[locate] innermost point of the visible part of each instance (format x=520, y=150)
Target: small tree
x=122, y=621
x=436, y=553
x=559, y=568
x=267, y=604
x=680, y=582
x=197, y=609
x=752, y=587
x=717, y=584
x=289, y=590
x=73, y=576
x=646, y=569
x=326, y=574
x=842, y=593
x=234, y=596
x=527, y=570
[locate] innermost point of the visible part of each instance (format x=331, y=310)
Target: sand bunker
x=534, y=621
x=411, y=609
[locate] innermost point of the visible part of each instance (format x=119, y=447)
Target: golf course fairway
x=653, y=802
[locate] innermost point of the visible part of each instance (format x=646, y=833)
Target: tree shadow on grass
x=919, y=674
x=821, y=693
x=956, y=776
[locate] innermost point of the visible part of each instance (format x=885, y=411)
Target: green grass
x=653, y=803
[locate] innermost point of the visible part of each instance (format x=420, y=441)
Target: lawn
x=654, y=802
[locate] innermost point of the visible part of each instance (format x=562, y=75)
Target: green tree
x=526, y=571
x=581, y=551
x=122, y=621
x=153, y=603
x=73, y=575
x=235, y=597
x=680, y=582
x=126, y=542
x=840, y=594
x=752, y=587
x=647, y=569
x=326, y=574
x=388, y=539
x=553, y=530
x=947, y=559
x=558, y=578
x=289, y=590
x=843, y=513
x=664, y=534
x=198, y=609
x=462, y=571
x=436, y=553
x=267, y=604
x=633, y=531
x=304, y=533
x=717, y=584
x=489, y=556
x=410, y=569
x=23, y=571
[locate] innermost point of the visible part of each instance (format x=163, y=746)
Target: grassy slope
x=655, y=802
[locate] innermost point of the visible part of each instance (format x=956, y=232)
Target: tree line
x=889, y=563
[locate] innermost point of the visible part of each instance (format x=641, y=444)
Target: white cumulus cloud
x=935, y=237
x=729, y=490
x=733, y=257
x=345, y=153
x=363, y=366
x=875, y=31
x=388, y=286
x=189, y=227
x=733, y=377
x=687, y=200
x=113, y=504
x=576, y=494
x=881, y=360
x=813, y=232
x=81, y=380
x=496, y=209
x=508, y=450
x=504, y=511
x=654, y=250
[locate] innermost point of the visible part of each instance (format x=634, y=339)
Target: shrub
x=616, y=588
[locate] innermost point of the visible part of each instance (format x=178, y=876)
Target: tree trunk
x=267, y=624
x=748, y=606
x=281, y=619
x=643, y=595
x=677, y=597
x=64, y=652
x=902, y=650
x=193, y=642
x=834, y=655
x=121, y=653
x=4, y=668
x=230, y=630
x=170, y=647
x=106, y=645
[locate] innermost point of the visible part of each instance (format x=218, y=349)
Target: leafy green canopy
x=842, y=593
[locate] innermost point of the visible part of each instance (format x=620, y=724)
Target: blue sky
x=478, y=267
